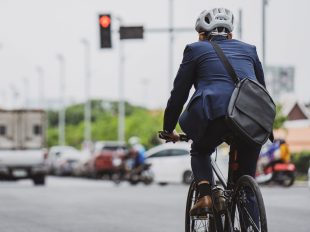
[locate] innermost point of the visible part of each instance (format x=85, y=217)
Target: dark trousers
x=201, y=151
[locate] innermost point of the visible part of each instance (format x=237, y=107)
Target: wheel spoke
x=247, y=207
x=251, y=219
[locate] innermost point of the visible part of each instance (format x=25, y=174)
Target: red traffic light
x=105, y=21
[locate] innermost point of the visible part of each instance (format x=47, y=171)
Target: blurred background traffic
x=84, y=85
x=81, y=74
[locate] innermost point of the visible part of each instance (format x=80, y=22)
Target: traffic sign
x=135, y=32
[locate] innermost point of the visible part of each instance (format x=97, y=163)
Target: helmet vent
x=207, y=19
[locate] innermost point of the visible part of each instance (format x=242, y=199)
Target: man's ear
x=230, y=35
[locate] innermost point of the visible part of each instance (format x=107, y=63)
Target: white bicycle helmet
x=134, y=140
x=217, y=17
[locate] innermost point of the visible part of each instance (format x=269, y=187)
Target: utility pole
x=62, y=113
x=87, y=84
x=171, y=30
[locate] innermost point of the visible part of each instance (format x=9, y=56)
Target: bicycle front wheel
x=197, y=224
x=247, y=209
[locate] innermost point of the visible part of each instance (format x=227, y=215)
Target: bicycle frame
x=226, y=184
x=232, y=165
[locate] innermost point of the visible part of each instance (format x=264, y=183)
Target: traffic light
x=105, y=31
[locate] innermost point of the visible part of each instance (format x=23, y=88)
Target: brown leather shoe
x=202, y=207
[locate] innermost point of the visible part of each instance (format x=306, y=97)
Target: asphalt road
x=80, y=205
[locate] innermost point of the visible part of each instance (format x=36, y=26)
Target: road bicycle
x=237, y=207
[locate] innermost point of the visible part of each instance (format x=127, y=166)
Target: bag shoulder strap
x=225, y=62
x=231, y=71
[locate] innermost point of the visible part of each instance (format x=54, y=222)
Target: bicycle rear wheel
x=197, y=224
x=247, y=209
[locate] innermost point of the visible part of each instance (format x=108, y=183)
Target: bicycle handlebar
x=165, y=136
x=184, y=138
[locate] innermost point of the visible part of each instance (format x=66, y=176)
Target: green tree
x=144, y=124
x=280, y=117
x=139, y=122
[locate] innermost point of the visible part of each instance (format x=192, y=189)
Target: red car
x=107, y=158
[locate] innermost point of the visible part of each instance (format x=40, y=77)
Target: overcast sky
x=33, y=32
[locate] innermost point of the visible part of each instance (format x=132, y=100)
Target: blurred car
x=106, y=159
x=171, y=163
x=80, y=169
x=62, y=160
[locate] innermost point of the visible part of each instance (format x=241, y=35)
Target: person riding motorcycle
x=285, y=154
x=137, y=151
x=278, y=152
x=203, y=120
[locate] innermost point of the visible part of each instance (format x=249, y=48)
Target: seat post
x=232, y=165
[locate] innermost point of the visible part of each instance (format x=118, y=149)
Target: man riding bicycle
x=203, y=120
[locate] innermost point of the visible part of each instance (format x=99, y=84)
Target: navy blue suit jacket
x=202, y=68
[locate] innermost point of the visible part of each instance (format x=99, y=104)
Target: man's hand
x=169, y=137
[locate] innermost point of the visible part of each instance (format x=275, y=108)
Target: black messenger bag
x=251, y=110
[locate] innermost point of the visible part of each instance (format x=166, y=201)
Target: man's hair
x=222, y=31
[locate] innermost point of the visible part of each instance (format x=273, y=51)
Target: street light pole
x=145, y=86
x=87, y=84
x=26, y=93
x=62, y=113
x=171, y=42
x=240, y=24
x=41, y=82
x=15, y=95
x=264, y=4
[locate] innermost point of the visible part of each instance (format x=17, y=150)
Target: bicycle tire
x=190, y=224
x=247, y=207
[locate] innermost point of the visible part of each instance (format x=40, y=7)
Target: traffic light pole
x=121, y=101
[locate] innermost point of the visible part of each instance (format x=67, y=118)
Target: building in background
x=296, y=129
x=280, y=81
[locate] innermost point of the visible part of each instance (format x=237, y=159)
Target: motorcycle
x=280, y=173
x=141, y=174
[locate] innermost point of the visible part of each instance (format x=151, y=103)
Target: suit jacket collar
x=219, y=38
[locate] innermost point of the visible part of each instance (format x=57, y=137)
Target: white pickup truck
x=22, y=154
